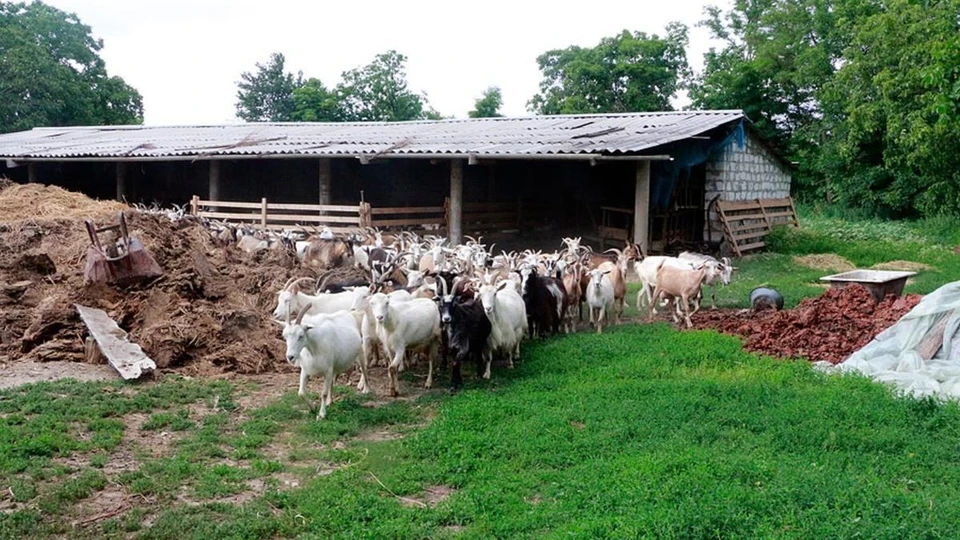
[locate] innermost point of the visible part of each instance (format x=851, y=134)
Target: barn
x=649, y=177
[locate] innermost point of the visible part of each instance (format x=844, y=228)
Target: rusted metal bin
x=879, y=282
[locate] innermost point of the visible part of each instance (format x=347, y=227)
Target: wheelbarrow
x=115, y=257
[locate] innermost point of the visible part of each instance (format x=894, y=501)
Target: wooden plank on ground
x=127, y=358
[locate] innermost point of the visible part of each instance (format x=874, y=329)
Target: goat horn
x=297, y=282
x=303, y=312
x=287, y=284
x=322, y=280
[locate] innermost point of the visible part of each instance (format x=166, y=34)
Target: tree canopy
x=51, y=73
x=488, y=106
x=863, y=94
x=267, y=95
x=627, y=72
x=376, y=92
x=379, y=91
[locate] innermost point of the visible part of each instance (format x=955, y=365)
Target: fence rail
x=491, y=218
x=275, y=216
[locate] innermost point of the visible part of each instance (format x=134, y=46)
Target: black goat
x=466, y=329
x=546, y=301
x=342, y=286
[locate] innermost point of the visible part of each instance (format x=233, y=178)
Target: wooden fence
x=489, y=219
x=276, y=216
x=746, y=224
x=424, y=219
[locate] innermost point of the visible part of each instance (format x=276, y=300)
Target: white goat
x=717, y=272
x=413, y=325
x=368, y=325
x=507, y=313
x=291, y=300
x=600, y=296
x=325, y=345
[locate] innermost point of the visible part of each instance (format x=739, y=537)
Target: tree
x=313, y=102
x=488, y=106
x=628, y=72
x=268, y=94
x=51, y=73
x=777, y=56
x=890, y=134
x=379, y=92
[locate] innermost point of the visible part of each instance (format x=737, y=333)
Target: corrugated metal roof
x=601, y=134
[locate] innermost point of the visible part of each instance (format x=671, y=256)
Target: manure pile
x=830, y=327
x=209, y=312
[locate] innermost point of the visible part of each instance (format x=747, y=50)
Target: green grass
x=864, y=242
x=643, y=431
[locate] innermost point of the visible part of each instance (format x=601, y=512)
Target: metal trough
x=879, y=282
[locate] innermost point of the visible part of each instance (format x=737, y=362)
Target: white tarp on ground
x=892, y=356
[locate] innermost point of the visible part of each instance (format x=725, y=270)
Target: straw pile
x=36, y=201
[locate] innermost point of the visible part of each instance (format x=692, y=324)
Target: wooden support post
x=195, y=205
x=641, y=207
x=263, y=213
x=121, y=181
x=213, y=191
x=323, y=179
x=32, y=172
x=455, y=221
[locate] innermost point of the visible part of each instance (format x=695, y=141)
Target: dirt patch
x=18, y=373
x=431, y=497
x=907, y=266
x=826, y=261
x=829, y=327
x=377, y=436
x=153, y=442
x=109, y=502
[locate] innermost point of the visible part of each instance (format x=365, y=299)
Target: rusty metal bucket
x=115, y=257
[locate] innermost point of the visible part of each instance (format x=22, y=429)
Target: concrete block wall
x=739, y=174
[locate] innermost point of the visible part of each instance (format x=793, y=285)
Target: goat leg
x=392, y=369
x=302, y=391
x=431, y=355
x=362, y=385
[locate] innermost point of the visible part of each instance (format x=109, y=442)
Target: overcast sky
x=185, y=56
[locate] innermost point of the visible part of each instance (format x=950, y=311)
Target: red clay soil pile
x=830, y=327
x=209, y=312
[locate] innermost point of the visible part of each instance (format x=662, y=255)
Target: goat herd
x=404, y=296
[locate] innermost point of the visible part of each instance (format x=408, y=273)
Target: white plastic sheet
x=892, y=358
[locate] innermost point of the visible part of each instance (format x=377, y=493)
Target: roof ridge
x=534, y=117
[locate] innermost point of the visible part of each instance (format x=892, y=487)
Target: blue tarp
x=664, y=175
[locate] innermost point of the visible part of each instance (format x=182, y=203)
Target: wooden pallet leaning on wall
x=746, y=224
x=278, y=216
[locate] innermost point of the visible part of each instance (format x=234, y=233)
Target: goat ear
x=503, y=284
